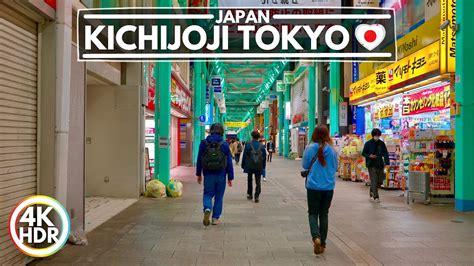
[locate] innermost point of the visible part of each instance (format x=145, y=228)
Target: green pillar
x=156, y=74
x=281, y=121
x=335, y=87
x=202, y=96
x=311, y=101
x=164, y=85
x=266, y=123
x=464, y=179
x=319, y=93
x=197, y=108
x=286, y=128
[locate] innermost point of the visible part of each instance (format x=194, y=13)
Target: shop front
x=411, y=102
x=299, y=115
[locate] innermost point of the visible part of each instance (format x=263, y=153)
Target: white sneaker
x=216, y=221
x=377, y=200
x=264, y=179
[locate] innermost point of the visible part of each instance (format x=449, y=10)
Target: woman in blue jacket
x=320, y=159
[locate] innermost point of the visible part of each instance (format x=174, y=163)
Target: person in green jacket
x=376, y=159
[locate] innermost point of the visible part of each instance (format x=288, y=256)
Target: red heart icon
x=370, y=36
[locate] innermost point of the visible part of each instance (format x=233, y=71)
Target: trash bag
x=155, y=189
x=174, y=188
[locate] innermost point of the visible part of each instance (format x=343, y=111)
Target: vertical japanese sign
x=343, y=114
x=151, y=87
x=451, y=36
x=448, y=37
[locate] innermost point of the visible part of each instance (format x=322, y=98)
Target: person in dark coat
x=376, y=159
x=214, y=180
x=254, y=163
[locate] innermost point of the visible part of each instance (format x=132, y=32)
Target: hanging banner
x=151, y=87
x=385, y=110
x=451, y=37
x=443, y=39
x=235, y=124
x=180, y=97
x=426, y=101
x=288, y=77
x=343, y=114
x=279, y=3
x=280, y=86
x=366, y=3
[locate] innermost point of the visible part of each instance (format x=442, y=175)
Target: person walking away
x=376, y=158
x=238, y=152
x=270, y=149
x=320, y=161
x=264, y=171
x=254, y=163
x=233, y=147
x=215, y=162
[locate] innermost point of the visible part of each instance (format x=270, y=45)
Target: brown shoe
x=322, y=249
x=317, y=246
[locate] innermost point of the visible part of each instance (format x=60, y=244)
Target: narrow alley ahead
x=275, y=231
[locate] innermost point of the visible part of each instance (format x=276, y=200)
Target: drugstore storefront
x=411, y=102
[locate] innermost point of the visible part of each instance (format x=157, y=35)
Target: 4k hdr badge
x=370, y=36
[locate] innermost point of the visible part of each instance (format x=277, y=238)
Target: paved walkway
x=275, y=231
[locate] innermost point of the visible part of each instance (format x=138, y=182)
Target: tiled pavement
x=101, y=209
x=275, y=231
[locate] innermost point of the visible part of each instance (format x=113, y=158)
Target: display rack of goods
x=350, y=157
x=434, y=155
x=442, y=175
x=394, y=176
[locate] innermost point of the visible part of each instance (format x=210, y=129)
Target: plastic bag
x=174, y=188
x=155, y=189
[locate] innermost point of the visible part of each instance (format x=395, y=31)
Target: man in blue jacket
x=215, y=162
x=254, y=163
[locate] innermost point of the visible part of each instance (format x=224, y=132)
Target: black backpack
x=255, y=158
x=214, y=158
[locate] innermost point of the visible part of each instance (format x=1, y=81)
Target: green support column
x=319, y=93
x=204, y=77
x=156, y=74
x=266, y=123
x=197, y=108
x=286, y=128
x=464, y=179
x=311, y=101
x=335, y=87
x=163, y=113
x=281, y=122
x=164, y=84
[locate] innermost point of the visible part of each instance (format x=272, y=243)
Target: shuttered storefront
x=18, y=121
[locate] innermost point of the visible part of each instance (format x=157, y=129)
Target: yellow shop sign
x=235, y=124
x=422, y=62
x=383, y=80
x=362, y=88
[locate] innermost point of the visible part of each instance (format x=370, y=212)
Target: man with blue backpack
x=215, y=162
x=254, y=163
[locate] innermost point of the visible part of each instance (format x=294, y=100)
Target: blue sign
x=217, y=89
x=273, y=97
x=216, y=81
x=202, y=118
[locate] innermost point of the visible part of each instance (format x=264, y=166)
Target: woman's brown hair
x=321, y=136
